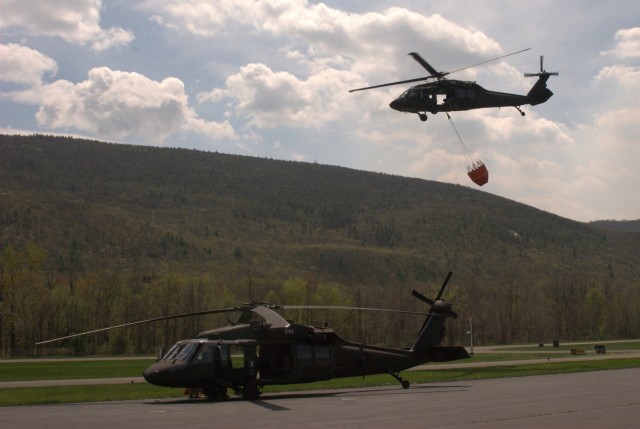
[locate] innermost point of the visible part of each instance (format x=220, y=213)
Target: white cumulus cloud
x=117, y=104
x=76, y=21
x=23, y=65
x=271, y=99
x=627, y=43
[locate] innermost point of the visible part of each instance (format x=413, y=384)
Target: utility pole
x=470, y=332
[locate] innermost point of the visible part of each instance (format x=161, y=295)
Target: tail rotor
x=542, y=71
x=438, y=305
x=432, y=330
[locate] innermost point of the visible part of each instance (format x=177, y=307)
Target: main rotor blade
x=541, y=74
x=488, y=61
x=435, y=74
x=444, y=285
x=386, y=310
x=426, y=65
x=392, y=83
x=421, y=297
x=140, y=322
x=334, y=307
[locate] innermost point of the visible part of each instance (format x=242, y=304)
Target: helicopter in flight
x=263, y=348
x=444, y=95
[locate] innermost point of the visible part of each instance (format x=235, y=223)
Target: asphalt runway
x=603, y=399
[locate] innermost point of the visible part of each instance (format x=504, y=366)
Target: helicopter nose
x=167, y=374
x=396, y=104
x=157, y=374
x=151, y=374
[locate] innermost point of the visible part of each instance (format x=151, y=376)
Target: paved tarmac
x=603, y=399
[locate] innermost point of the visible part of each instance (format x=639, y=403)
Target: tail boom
x=539, y=93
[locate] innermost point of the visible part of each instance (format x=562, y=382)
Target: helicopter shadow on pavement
x=266, y=400
x=261, y=401
x=269, y=400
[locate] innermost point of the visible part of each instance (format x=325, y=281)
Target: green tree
x=295, y=291
x=594, y=309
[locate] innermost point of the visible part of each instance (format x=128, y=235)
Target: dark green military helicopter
x=275, y=351
x=444, y=95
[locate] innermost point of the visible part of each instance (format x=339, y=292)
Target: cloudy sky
x=270, y=78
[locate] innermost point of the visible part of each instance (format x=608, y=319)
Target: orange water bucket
x=478, y=173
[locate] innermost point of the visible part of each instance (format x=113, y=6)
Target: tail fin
x=539, y=93
x=433, y=329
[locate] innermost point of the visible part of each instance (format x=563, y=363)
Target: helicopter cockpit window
x=187, y=352
x=205, y=354
x=461, y=93
x=225, y=356
x=173, y=352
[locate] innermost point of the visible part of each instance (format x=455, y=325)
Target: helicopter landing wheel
x=405, y=383
x=251, y=391
x=215, y=392
x=521, y=112
x=422, y=116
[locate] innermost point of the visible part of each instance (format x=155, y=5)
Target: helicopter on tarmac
x=275, y=351
x=444, y=95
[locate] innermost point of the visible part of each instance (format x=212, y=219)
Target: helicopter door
x=428, y=101
x=202, y=367
x=447, y=100
x=237, y=364
x=275, y=361
x=312, y=362
x=472, y=101
x=250, y=360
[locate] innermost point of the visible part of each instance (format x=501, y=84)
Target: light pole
x=470, y=332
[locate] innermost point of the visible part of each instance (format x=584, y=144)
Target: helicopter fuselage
x=455, y=95
x=263, y=348
x=444, y=95
x=214, y=361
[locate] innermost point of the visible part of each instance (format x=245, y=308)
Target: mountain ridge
x=251, y=224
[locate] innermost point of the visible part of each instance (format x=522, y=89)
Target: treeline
x=95, y=234
x=39, y=303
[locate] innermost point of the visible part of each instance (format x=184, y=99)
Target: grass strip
x=140, y=391
x=588, y=346
x=69, y=370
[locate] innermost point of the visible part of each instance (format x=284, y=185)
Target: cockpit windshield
x=187, y=352
x=181, y=351
x=173, y=352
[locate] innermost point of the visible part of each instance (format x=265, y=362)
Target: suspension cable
x=464, y=148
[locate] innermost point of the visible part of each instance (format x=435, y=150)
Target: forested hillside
x=619, y=225
x=95, y=234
